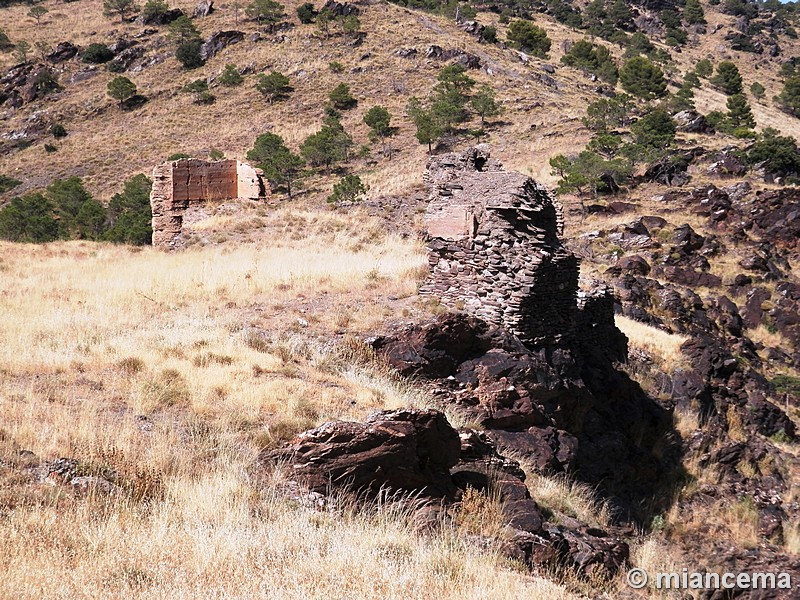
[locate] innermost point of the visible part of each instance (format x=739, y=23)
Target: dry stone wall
x=496, y=251
x=180, y=184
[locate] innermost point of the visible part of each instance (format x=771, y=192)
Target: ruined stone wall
x=179, y=184
x=496, y=251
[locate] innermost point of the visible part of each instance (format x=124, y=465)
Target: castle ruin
x=182, y=184
x=495, y=251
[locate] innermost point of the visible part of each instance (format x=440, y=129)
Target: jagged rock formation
x=180, y=184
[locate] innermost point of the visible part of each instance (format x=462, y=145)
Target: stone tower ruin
x=182, y=184
x=495, y=248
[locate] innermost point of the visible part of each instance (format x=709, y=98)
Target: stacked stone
x=495, y=249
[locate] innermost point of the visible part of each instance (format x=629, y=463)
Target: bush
x=121, y=89
x=489, y=34
x=349, y=189
x=757, y=90
x=97, y=54
x=703, y=68
x=655, y=130
x=8, y=183
x=779, y=154
x=306, y=13
x=642, y=78
x=230, y=76
x=527, y=37
x=153, y=9
x=336, y=67
x=188, y=54
x=340, y=97
x=58, y=131
x=790, y=95
x=30, y=219
x=274, y=86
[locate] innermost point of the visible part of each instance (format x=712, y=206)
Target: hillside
x=152, y=400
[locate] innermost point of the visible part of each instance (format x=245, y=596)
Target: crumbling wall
x=179, y=184
x=496, y=252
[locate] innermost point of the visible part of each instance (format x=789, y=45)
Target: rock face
x=393, y=450
x=179, y=184
x=495, y=248
x=219, y=41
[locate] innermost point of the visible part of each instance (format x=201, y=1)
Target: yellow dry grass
x=663, y=346
x=172, y=371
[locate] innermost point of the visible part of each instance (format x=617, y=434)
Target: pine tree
x=280, y=165
x=739, y=113
x=121, y=89
x=728, y=78
x=485, y=104
x=693, y=13
x=642, y=78
x=274, y=86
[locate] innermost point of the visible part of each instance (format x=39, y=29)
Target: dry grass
x=167, y=373
x=662, y=346
x=560, y=494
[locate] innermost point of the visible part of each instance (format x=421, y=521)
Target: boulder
x=64, y=51
x=203, y=8
x=219, y=41
x=402, y=450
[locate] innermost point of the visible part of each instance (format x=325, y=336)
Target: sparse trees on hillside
x=642, y=78
x=529, y=38
x=728, y=78
x=608, y=113
x=378, y=119
x=485, y=104
x=118, y=7
x=428, y=129
x=22, y=50
x=121, y=89
x=274, y=86
x=280, y=165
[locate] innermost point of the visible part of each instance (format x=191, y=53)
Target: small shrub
x=336, y=67
x=50, y=148
x=230, y=76
x=130, y=365
x=58, y=131
x=349, y=189
x=97, y=54
x=188, y=54
x=529, y=38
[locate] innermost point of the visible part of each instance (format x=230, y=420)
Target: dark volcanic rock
x=64, y=51
x=409, y=450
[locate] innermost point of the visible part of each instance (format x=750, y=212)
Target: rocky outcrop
x=203, y=8
x=219, y=41
x=180, y=184
x=416, y=457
